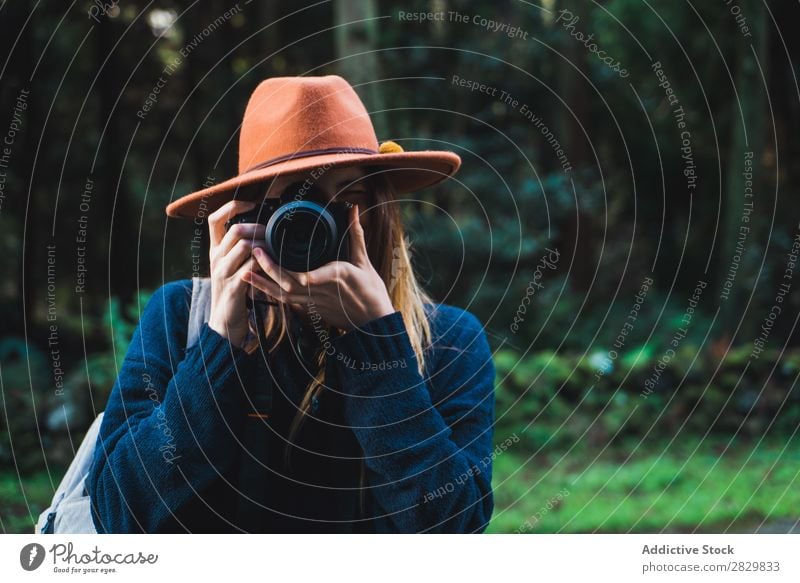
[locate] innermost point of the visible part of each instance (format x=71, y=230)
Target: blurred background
x=624, y=224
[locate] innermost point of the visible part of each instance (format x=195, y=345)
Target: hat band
x=308, y=153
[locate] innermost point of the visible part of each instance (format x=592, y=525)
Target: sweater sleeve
x=427, y=441
x=164, y=437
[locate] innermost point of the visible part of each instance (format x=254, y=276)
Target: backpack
x=70, y=510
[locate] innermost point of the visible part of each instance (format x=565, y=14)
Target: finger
x=249, y=266
x=289, y=281
x=217, y=219
x=227, y=265
x=253, y=232
x=333, y=272
x=358, y=246
x=271, y=288
x=240, y=285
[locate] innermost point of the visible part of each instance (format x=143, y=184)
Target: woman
x=382, y=402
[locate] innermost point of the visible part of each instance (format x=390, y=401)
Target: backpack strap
x=199, y=309
x=70, y=510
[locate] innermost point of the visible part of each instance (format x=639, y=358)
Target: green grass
x=679, y=491
x=21, y=504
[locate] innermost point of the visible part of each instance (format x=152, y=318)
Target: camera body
x=303, y=232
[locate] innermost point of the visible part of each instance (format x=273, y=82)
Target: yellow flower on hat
x=390, y=147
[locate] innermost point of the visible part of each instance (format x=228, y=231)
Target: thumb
x=358, y=245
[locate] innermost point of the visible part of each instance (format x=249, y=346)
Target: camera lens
x=302, y=235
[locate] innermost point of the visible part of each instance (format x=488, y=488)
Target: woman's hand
x=345, y=294
x=231, y=257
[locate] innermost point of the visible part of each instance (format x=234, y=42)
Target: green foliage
x=123, y=320
x=39, y=424
x=657, y=487
x=24, y=497
x=566, y=400
x=25, y=386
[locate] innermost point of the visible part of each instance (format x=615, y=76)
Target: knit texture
x=170, y=445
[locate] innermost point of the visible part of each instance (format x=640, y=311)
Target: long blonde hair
x=389, y=251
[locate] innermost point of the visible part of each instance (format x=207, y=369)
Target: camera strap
x=254, y=500
x=261, y=398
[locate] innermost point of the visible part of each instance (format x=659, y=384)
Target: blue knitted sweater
x=170, y=441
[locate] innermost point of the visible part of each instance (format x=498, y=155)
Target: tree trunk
x=358, y=65
x=744, y=138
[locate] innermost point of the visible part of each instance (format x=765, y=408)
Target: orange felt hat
x=298, y=124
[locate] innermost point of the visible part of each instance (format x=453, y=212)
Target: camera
x=303, y=232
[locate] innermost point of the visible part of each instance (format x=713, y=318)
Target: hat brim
x=410, y=171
